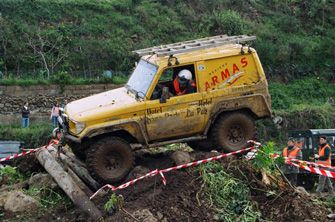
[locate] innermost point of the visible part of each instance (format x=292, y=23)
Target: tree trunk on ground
x=80, y=170
x=65, y=181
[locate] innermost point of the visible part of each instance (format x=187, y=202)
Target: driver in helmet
x=183, y=83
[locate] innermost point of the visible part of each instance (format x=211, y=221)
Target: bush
x=227, y=22
x=230, y=196
x=35, y=136
x=312, y=91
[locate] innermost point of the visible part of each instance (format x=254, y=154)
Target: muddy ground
x=181, y=199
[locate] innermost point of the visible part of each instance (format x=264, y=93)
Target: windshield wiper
x=133, y=91
x=138, y=95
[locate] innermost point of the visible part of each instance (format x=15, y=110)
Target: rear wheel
x=232, y=131
x=110, y=160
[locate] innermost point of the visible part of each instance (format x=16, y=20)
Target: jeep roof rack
x=192, y=45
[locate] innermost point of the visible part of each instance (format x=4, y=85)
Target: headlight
x=79, y=127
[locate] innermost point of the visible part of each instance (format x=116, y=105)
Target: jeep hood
x=100, y=105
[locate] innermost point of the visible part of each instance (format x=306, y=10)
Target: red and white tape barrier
x=26, y=152
x=314, y=170
x=304, y=162
x=182, y=166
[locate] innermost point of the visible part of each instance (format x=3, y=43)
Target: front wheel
x=110, y=160
x=232, y=131
x=203, y=145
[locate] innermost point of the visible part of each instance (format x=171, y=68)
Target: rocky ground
x=182, y=199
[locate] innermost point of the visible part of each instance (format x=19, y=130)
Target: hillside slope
x=38, y=37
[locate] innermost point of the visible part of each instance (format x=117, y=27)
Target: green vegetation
x=300, y=94
x=112, y=203
x=41, y=38
x=34, y=136
x=47, y=197
x=302, y=104
x=229, y=195
x=62, y=80
x=263, y=160
x=9, y=175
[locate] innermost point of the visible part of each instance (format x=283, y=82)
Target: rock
x=137, y=172
x=160, y=215
x=144, y=215
x=302, y=191
x=42, y=180
x=19, y=202
x=331, y=216
x=3, y=198
x=181, y=157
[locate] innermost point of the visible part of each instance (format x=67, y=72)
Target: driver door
x=179, y=116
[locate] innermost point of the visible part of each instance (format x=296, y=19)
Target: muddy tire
x=203, y=145
x=232, y=131
x=79, y=151
x=109, y=160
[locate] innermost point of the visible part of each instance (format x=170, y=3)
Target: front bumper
x=63, y=125
x=71, y=139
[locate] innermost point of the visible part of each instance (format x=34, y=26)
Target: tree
x=50, y=47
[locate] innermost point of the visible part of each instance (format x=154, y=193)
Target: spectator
x=25, y=115
x=54, y=114
x=64, y=103
x=324, y=157
x=291, y=151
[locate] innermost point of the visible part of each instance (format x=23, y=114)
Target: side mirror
x=165, y=95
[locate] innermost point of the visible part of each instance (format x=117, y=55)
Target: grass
x=9, y=175
x=301, y=93
x=48, y=197
x=229, y=196
x=34, y=136
x=294, y=38
x=27, y=81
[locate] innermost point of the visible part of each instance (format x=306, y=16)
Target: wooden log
x=71, y=155
x=79, y=168
x=77, y=180
x=65, y=181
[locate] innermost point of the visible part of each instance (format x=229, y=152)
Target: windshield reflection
x=141, y=78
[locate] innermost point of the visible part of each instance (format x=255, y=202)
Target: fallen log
x=68, y=169
x=78, y=167
x=71, y=155
x=68, y=185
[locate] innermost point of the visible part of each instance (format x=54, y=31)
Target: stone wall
x=41, y=99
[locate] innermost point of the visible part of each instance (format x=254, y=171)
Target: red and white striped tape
x=303, y=162
x=15, y=156
x=314, y=170
x=182, y=166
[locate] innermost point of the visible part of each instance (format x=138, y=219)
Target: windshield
x=142, y=77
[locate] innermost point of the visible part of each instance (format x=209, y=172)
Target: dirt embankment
x=182, y=199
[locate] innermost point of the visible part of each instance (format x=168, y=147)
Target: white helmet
x=185, y=73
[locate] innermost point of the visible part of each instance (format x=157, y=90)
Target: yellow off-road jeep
x=228, y=93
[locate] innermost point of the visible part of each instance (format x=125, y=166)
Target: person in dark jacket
x=25, y=115
x=324, y=158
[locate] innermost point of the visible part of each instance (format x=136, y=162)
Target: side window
x=180, y=80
